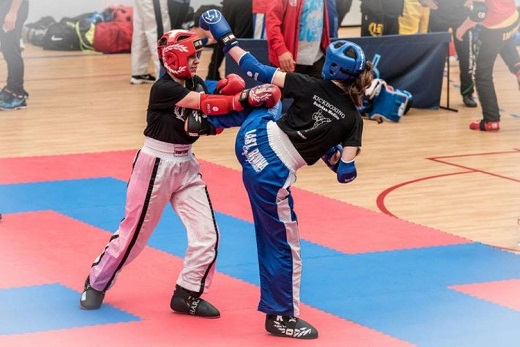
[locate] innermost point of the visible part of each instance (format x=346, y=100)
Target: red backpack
x=115, y=36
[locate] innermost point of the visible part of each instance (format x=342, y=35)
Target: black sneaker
x=286, y=326
x=469, y=101
x=91, y=299
x=184, y=301
x=140, y=79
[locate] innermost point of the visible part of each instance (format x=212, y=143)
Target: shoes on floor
x=91, y=299
x=469, y=101
x=186, y=302
x=141, y=79
x=11, y=102
x=484, y=126
x=285, y=326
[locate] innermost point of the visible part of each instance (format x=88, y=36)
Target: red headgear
x=174, y=48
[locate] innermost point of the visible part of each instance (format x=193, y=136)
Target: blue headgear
x=344, y=60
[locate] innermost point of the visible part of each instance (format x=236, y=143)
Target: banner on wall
x=411, y=62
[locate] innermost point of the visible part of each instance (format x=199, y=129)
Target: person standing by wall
x=13, y=14
x=380, y=17
x=499, y=20
x=151, y=20
x=415, y=17
x=448, y=16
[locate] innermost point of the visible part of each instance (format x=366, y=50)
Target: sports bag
x=61, y=36
x=113, y=37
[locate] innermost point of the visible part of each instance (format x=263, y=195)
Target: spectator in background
x=416, y=15
x=380, y=17
x=448, y=16
x=499, y=20
x=13, y=14
x=259, y=8
x=151, y=20
x=297, y=35
x=178, y=10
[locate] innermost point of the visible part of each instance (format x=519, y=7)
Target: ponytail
x=356, y=89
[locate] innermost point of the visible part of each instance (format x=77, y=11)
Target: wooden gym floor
x=429, y=173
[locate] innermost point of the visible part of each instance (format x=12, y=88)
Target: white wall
x=71, y=8
x=353, y=18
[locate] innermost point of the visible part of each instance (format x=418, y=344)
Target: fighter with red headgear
x=165, y=171
x=175, y=49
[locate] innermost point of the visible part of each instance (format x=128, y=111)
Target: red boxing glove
x=221, y=104
x=266, y=95
x=230, y=85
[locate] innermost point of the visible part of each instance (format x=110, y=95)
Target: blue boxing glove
x=332, y=158
x=346, y=171
x=215, y=22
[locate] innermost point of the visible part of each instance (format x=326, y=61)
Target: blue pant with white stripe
x=267, y=181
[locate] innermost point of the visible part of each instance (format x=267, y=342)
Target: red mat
x=45, y=247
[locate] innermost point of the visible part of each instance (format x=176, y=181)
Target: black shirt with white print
x=165, y=121
x=321, y=116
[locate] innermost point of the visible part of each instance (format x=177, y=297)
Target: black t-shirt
x=165, y=121
x=320, y=117
x=382, y=8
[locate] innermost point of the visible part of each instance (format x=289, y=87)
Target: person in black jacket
x=449, y=15
x=13, y=14
x=380, y=17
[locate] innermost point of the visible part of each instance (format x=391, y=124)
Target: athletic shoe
x=11, y=102
x=4, y=92
x=469, y=100
x=91, y=299
x=485, y=126
x=185, y=302
x=286, y=326
x=140, y=79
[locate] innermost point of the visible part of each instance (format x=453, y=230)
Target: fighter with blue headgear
x=323, y=122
